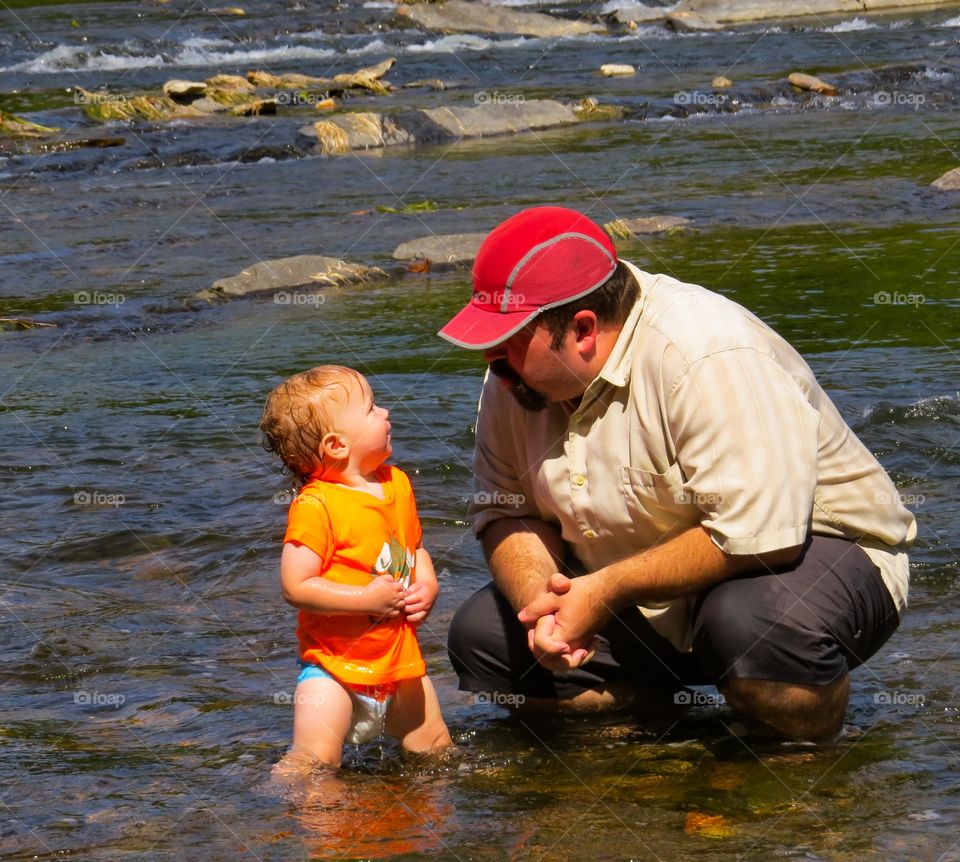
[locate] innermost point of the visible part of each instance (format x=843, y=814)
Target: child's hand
x=386, y=596
x=420, y=598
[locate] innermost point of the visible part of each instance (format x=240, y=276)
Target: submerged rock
x=450, y=248
x=721, y=82
x=949, y=182
x=290, y=273
x=811, y=82
x=21, y=323
x=625, y=229
x=459, y=16
x=12, y=126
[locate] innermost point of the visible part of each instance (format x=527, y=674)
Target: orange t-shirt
x=358, y=537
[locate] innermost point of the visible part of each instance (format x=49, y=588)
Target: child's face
x=365, y=427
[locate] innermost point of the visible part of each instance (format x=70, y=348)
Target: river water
x=148, y=656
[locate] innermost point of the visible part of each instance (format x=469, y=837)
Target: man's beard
x=527, y=398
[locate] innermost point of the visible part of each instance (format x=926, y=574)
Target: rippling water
x=148, y=656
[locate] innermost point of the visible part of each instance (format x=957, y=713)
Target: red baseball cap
x=537, y=259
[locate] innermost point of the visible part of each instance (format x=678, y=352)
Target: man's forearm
x=521, y=554
x=687, y=564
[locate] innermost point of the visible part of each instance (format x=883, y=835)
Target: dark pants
x=808, y=623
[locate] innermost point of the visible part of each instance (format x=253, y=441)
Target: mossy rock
x=12, y=126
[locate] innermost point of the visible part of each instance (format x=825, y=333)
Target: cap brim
x=476, y=329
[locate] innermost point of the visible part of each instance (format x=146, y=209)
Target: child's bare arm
x=305, y=588
x=422, y=593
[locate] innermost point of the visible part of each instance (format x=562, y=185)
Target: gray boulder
x=304, y=271
x=459, y=16
x=949, y=182
x=358, y=131
x=450, y=248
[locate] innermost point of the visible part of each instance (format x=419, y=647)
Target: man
x=733, y=529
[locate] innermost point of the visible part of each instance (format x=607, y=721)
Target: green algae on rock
x=12, y=126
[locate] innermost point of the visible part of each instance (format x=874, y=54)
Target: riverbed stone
x=12, y=126
x=740, y=11
x=448, y=248
x=184, y=90
x=610, y=70
x=342, y=133
x=459, y=16
x=812, y=83
x=949, y=182
x=687, y=21
x=640, y=14
x=629, y=228
x=308, y=271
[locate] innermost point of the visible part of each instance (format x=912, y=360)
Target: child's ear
x=333, y=446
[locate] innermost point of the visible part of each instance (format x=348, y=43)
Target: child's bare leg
x=414, y=717
x=322, y=713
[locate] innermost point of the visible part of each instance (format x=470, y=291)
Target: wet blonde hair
x=300, y=411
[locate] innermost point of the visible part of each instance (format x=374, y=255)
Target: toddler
x=353, y=564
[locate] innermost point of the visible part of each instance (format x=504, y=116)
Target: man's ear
x=585, y=330
x=334, y=447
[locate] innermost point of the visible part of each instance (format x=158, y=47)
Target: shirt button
x=589, y=534
x=580, y=480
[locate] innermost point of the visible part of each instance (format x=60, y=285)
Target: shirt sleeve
x=747, y=441
x=308, y=523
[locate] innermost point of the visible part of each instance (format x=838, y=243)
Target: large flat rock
x=343, y=133
x=737, y=11
x=458, y=16
x=291, y=273
x=448, y=248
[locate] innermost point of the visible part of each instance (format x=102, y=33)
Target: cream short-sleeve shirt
x=701, y=414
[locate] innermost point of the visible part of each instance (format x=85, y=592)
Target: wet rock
x=451, y=248
x=627, y=229
x=364, y=79
x=21, y=323
x=184, y=90
x=228, y=10
x=458, y=16
x=708, y=825
x=609, y=70
x=290, y=273
x=355, y=131
x=238, y=103
x=230, y=82
x=738, y=11
x=490, y=119
x=366, y=130
x=687, y=21
x=590, y=110
x=949, y=182
x=640, y=14
x=811, y=82
x=12, y=126
x=104, y=107
x=721, y=83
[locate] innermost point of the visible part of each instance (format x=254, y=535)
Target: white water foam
x=80, y=58
x=851, y=26
x=464, y=42
x=952, y=22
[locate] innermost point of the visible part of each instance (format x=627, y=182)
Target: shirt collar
x=616, y=370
